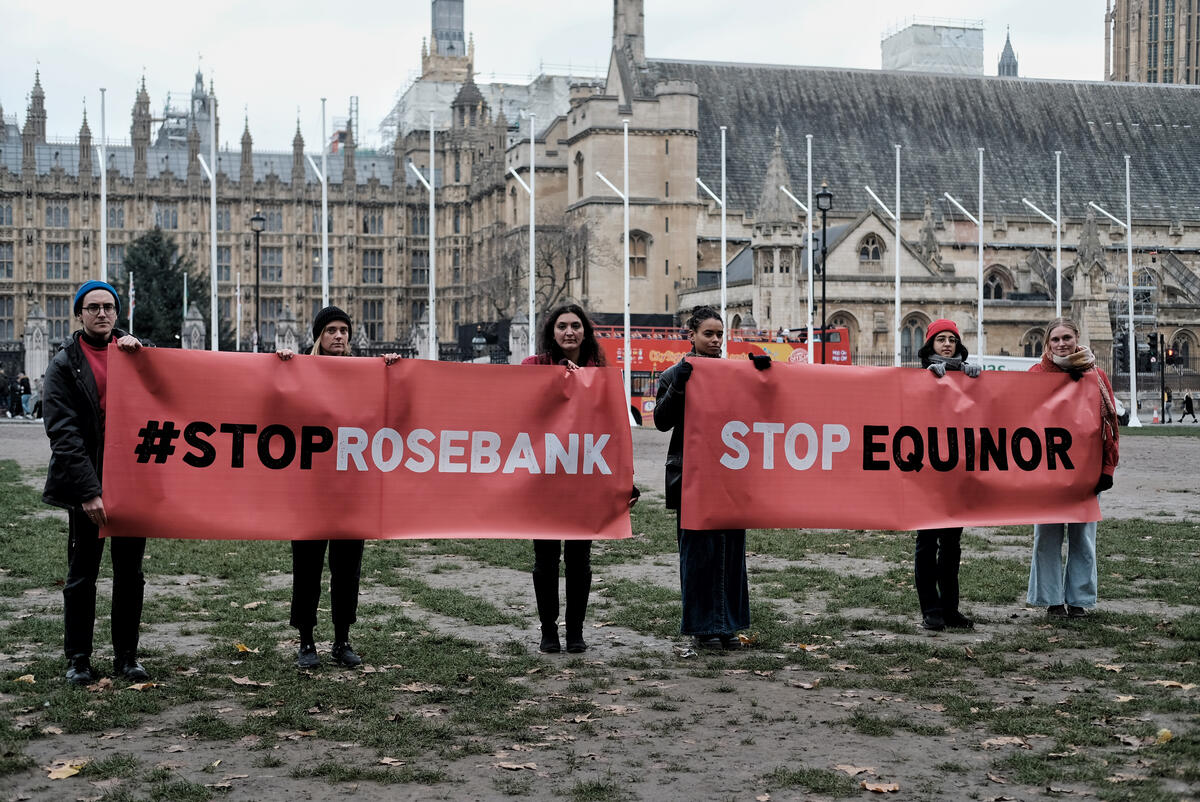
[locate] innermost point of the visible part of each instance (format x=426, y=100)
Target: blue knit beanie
x=96, y=285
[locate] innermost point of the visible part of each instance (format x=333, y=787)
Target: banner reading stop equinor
x=819, y=446
x=247, y=446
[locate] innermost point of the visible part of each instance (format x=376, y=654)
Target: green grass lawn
x=455, y=679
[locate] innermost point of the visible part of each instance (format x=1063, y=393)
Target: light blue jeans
x=1046, y=584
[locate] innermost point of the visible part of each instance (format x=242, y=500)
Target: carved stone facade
x=1152, y=41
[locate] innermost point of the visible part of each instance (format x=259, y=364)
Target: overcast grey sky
x=272, y=59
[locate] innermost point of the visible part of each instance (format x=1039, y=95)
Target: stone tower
x=1008, y=59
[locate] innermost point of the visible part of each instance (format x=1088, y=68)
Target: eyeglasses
x=95, y=309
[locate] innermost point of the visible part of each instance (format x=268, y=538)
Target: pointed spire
x=773, y=207
x=84, y=130
x=38, y=92
x=1008, y=58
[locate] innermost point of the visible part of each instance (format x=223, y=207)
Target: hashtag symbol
x=156, y=442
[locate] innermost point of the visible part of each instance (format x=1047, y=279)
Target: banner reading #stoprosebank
x=246, y=446
x=886, y=448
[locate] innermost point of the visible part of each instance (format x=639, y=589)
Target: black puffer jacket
x=71, y=412
x=668, y=416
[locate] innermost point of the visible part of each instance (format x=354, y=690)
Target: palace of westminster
x=379, y=230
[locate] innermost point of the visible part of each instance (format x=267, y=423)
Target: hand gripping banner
x=248, y=447
x=822, y=446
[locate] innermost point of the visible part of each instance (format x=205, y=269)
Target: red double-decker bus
x=653, y=350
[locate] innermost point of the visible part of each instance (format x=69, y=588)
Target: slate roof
x=856, y=116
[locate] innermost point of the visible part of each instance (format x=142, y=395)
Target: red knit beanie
x=940, y=325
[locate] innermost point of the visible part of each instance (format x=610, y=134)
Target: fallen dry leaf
x=808, y=686
x=26, y=678
x=65, y=767
x=51, y=731
x=176, y=748
x=1125, y=778
x=248, y=681
x=141, y=686
x=515, y=766
x=854, y=770
x=420, y=687
x=252, y=605
x=1110, y=667
x=241, y=647
x=1122, y=698
x=391, y=761
x=1163, y=736
x=763, y=798
x=996, y=778
x=1170, y=683
x=619, y=710
x=1005, y=740
x=880, y=788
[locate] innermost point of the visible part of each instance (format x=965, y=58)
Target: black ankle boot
x=545, y=591
x=579, y=587
x=80, y=671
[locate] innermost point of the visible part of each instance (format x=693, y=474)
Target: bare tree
x=504, y=269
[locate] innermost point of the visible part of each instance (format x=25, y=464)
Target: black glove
x=1075, y=375
x=761, y=361
x=1105, y=483
x=682, y=374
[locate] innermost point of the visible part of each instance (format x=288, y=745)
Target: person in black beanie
x=935, y=565
x=331, y=330
x=74, y=395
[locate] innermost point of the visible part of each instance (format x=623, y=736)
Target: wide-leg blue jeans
x=1049, y=582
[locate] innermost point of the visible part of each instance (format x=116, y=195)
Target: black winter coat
x=668, y=416
x=71, y=413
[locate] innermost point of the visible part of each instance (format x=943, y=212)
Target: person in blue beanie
x=73, y=404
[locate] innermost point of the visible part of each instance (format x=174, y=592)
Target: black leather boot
x=80, y=671
x=579, y=587
x=545, y=591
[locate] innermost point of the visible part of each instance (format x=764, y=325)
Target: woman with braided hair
x=1047, y=589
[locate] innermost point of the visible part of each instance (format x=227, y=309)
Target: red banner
x=249, y=447
x=818, y=446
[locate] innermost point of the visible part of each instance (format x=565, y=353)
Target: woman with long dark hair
x=937, y=555
x=566, y=338
x=712, y=563
x=1074, y=597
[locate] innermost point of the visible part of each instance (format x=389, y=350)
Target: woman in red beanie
x=935, y=565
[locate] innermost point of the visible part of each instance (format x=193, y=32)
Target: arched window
x=639, y=245
x=1033, y=343
x=870, y=249
x=845, y=320
x=578, y=175
x=993, y=288
x=912, y=337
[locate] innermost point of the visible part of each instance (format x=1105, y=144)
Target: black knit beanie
x=327, y=316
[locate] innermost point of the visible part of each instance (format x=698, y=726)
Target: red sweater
x=97, y=359
x=1108, y=420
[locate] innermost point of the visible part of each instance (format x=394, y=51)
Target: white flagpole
x=724, y=253
x=979, y=343
x=809, y=247
x=184, y=315
x=896, y=315
x=238, y=334
x=214, y=339
x=433, y=334
x=532, y=232
x=1058, y=231
x=132, y=302
x=324, y=213
x=103, y=194
x=625, y=201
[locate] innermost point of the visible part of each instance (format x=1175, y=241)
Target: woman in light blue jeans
x=1072, y=592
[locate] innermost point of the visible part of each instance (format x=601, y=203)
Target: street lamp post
x=257, y=224
x=824, y=204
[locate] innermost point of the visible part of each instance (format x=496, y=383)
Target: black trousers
x=577, y=559
x=85, y=548
x=345, y=567
x=936, y=569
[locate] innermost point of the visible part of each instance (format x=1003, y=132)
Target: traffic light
x=1152, y=341
x=1170, y=355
